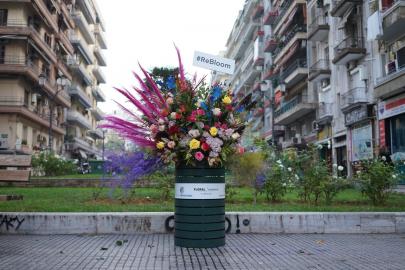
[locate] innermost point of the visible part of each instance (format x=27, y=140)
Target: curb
x=237, y=222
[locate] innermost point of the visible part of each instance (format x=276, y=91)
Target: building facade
x=45, y=77
x=330, y=72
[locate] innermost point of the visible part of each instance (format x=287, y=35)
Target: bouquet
x=181, y=121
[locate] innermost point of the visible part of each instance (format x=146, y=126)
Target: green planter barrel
x=199, y=207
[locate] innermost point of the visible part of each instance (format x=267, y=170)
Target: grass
x=148, y=199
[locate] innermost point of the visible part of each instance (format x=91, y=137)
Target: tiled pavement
x=242, y=251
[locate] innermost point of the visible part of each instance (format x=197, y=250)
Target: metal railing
x=325, y=109
x=289, y=36
x=74, y=116
x=291, y=104
x=349, y=42
x=11, y=101
x=318, y=20
x=283, y=9
x=299, y=63
x=353, y=96
x=393, y=71
x=321, y=64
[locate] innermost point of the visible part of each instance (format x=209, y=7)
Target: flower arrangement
x=181, y=121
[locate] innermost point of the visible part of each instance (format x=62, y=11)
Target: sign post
x=214, y=62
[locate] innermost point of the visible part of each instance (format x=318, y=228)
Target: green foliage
x=376, y=180
x=48, y=164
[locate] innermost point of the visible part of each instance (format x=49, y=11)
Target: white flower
x=328, y=146
x=281, y=165
x=320, y=146
x=200, y=124
x=289, y=169
x=284, y=184
x=235, y=136
x=171, y=144
x=216, y=111
x=335, y=165
x=194, y=133
x=383, y=158
x=162, y=128
x=297, y=177
x=279, y=161
x=358, y=172
x=340, y=168
x=394, y=176
x=173, y=115
x=169, y=100
x=161, y=121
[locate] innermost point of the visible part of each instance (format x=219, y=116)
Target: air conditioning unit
x=315, y=126
x=3, y=141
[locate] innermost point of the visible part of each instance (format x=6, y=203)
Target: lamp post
x=61, y=83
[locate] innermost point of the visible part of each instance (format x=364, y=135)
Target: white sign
x=214, y=62
x=197, y=191
x=362, y=143
x=391, y=108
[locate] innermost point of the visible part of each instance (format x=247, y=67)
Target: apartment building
x=38, y=75
x=88, y=40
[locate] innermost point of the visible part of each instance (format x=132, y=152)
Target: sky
x=144, y=31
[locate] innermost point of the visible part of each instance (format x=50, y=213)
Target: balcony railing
x=270, y=17
x=98, y=94
x=291, y=104
x=353, y=97
x=81, y=21
x=392, y=72
x=351, y=48
x=74, y=116
x=288, y=37
x=11, y=101
x=283, y=9
x=102, y=41
x=271, y=44
x=299, y=63
x=98, y=114
x=78, y=92
x=319, y=28
x=339, y=7
x=83, y=47
x=325, y=112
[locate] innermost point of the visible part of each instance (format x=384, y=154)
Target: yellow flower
x=213, y=131
x=194, y=144
x=227, y=100
x=160, y=145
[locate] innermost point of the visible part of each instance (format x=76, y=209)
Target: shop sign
x=356, y=115
x=200, y=191
x=362, y=143
x=391, y=108
x=381, y=126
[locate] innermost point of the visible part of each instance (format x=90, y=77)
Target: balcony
x=79, y=119
x=271, y=44
x=79, y=143
x=20, y=65
x=319, y=70
x=340, y=7
x=286, y=6
x=298, y=32
x=270, y=17
x=318, y=30
x=349, y=49
x=88, y=10
x=295, y=72
x=78, y=93
x=270, y=74
x=98, y=94
x=84, y=27
x=258, y=12
x=82, y=47
x=325, y=113
x=16, y=105
x=101, y=60
x=101, y=39
x=98, y=114
x=77, y=67
x=96, y=133
x=392, y=83
x=295, y=108
x=353, y=98
x=247, y=81
x=99, y=74
x=393, y=20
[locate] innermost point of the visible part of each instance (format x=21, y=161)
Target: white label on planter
x=200, y=191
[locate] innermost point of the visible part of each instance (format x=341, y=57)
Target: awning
x=290, y=52
x=83, y=154
x=346, y=16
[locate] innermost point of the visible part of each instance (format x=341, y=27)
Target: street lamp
x=61, y=83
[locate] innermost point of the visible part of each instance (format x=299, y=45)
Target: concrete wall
x=241, y=222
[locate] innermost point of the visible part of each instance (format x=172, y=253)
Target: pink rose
x=171, y=144
x=241, y=150
x=199, y=156
x=154, y=128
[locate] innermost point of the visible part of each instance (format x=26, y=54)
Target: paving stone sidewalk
x=243, y=251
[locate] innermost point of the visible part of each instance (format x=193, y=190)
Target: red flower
x=182, y=108
x=199, y=156
x=178, y=116
x=207, y=127
x=200, y=112
x=173, y=130
x=191, y=118
x=217, y=124
x=205, y=147
x=229, y=107
x=165, y=112
x=224, y=126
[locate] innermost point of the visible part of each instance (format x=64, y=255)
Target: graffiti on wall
x=10, y=222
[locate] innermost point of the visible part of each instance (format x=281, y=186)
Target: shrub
x=376, y=180
x=331, y=186
x=48, y=164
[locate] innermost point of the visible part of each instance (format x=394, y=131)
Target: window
x=48, y=39
x=3, y=17
x=2, y=53
x=398, y=133
x=26, y=98
x=46, y=70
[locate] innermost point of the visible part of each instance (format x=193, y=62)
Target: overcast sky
x=144, y=31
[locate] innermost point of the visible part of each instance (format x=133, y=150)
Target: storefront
x=360, y=132
x=391, y=115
